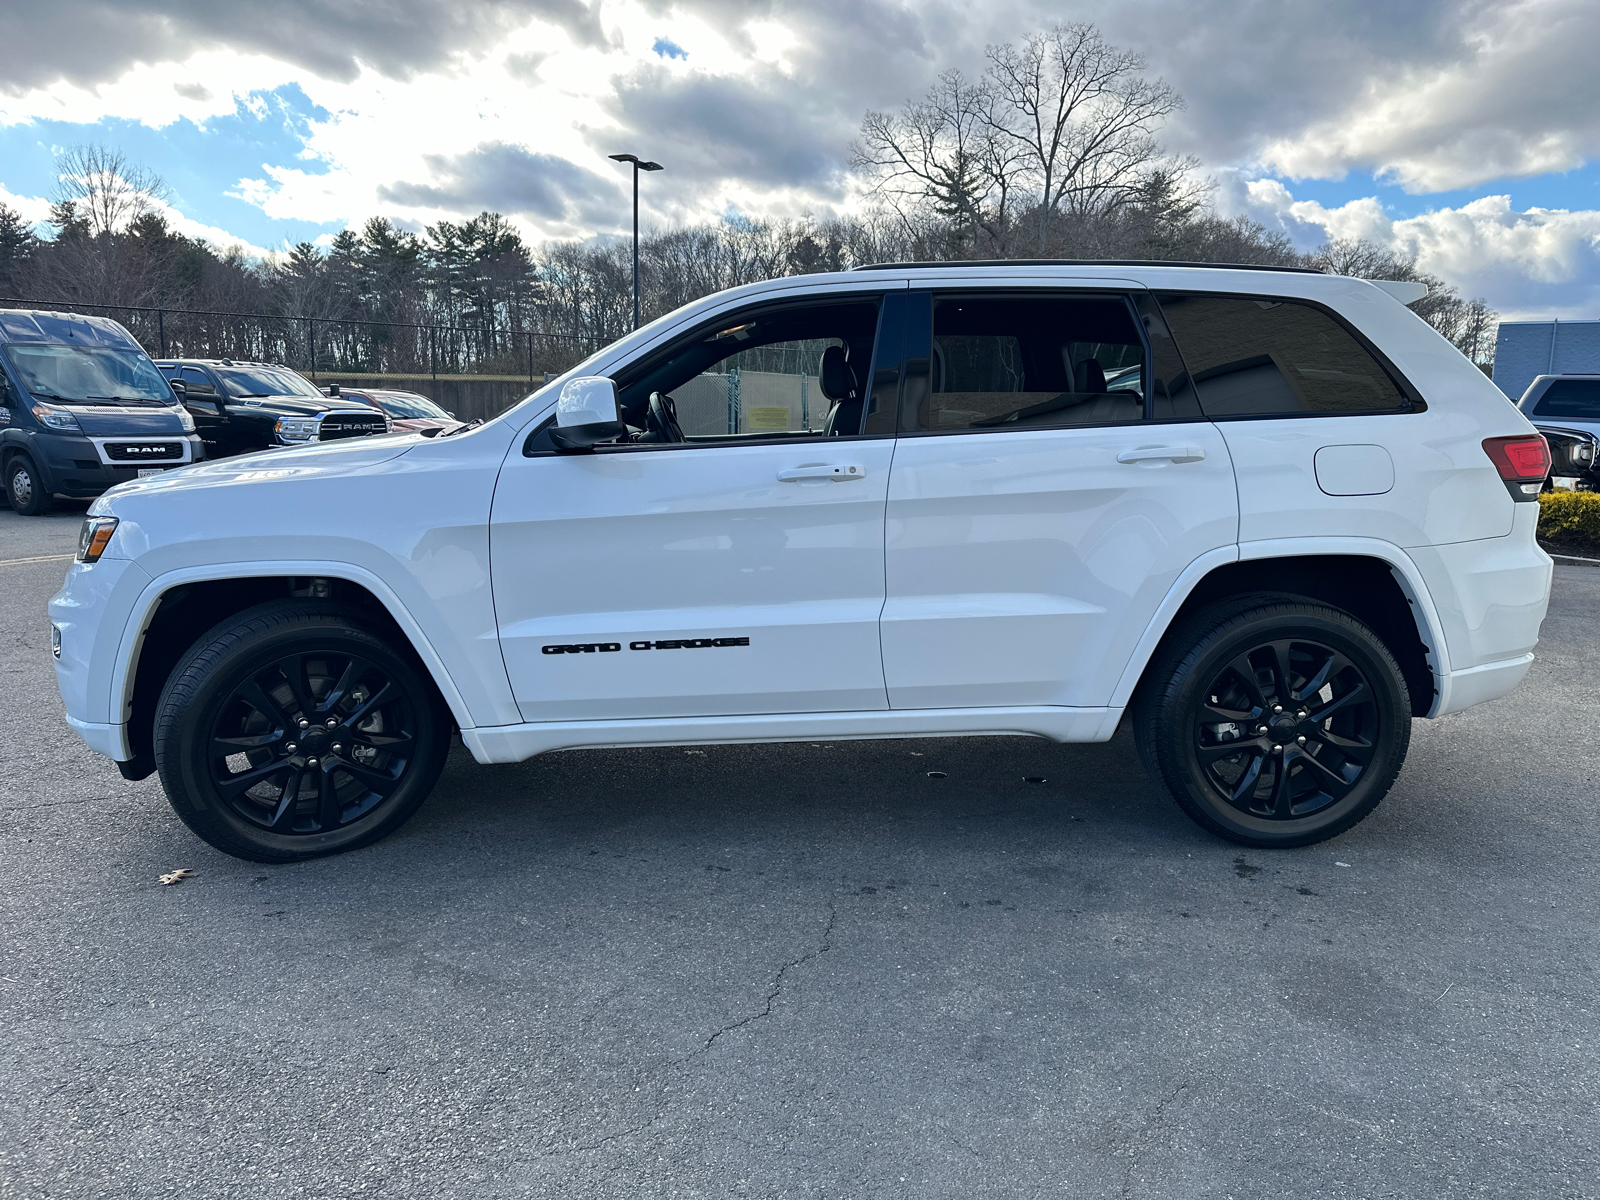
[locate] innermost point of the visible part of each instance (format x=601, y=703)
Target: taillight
x=1522, y=459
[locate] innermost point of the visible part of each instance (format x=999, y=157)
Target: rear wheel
x=1275, y=722
x=25, y=488
x=295, y=732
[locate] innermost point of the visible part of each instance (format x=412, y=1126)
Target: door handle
x=1178, y=454
x=836, y=472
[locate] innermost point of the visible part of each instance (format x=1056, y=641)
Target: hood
x=296, y=406
x=320, y=460
x=118, y=420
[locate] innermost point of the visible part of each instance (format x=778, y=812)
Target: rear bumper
x=1491, y=596
x=1463, y=689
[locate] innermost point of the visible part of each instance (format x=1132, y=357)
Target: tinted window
x=1030, y=362
x=1267, y=357
x=1570, y=398
x=265, y=381
x=404, y=405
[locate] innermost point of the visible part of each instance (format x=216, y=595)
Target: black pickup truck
x=243, y=406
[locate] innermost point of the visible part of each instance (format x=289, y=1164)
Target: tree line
x=1053, y=152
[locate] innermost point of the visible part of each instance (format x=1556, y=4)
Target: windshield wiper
x=132, y=399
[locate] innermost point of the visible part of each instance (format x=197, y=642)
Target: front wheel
x=1274, y=722
x=293, y=732
x=25, y=487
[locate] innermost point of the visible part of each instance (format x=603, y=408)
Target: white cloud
x=1521, y=97
x=33, y=209
x=1535, y=263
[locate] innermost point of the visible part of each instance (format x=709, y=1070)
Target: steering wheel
x=662, y=420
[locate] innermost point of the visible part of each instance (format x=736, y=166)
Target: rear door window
x=1268, y=357
x=1030, y=362
x=1576, y=398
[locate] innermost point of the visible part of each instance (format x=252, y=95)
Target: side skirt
x=513, y=743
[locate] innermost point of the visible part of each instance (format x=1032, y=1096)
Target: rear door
x=1052, y=479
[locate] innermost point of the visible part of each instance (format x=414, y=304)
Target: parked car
x=239, y=407
x=1312, y=522
x=1566, y=409
x=82, y=409
x=408, y=412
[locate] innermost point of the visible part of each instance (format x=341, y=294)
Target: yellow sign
x=766, y=419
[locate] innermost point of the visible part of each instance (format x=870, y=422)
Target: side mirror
x=180, y=389
x=586, y=414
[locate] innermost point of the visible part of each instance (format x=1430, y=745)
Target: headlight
x=292, y=430
x=52, y=417
x=94, y=537
x=185, y=421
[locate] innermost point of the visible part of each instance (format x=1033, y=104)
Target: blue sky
x=199, y=161
x=284, y=120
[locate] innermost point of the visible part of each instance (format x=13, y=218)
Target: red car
x=409, y=412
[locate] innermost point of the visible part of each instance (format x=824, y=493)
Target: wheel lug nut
x=291, y=747
x=304, y=724
x=337, y=747
x=1301, y=740
x=332, y=722
x=311, y=762
x=1277, y=708
x=1261, y=729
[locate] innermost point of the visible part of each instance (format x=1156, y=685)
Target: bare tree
x=947, y=152
x=105, y=188
x=1083, y=117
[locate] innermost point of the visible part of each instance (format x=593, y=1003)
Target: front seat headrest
x=1088, y=377
x=836, y=377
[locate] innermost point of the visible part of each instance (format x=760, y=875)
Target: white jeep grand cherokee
x=1270, y=514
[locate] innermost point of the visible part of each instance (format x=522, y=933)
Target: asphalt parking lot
x=808, y=971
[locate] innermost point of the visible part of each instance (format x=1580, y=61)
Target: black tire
x=245, y=751
x=25, y=488
x=1300, y=775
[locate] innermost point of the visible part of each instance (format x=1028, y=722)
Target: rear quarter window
x=1578, y=398
x=1266, y=357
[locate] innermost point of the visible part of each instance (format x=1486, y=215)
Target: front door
x=1052, y=479
x=728, y=557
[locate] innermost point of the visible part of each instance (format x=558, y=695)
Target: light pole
x=637, y=167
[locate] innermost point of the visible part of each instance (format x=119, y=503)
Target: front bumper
x=1574, y=455
x=81, y=466
x=90, y=615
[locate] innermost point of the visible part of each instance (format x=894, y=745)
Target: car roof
x=218, y=362
x=42, y=327
x=1082, y=262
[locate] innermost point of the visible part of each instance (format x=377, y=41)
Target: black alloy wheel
x=295, y=732
x=1286, y=729
x=1274, y=721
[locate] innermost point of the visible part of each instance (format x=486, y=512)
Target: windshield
x=89, y=374
x=1571, y=398
x=265, y=381
x=409, y=406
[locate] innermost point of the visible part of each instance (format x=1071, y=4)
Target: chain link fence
x=474, y=370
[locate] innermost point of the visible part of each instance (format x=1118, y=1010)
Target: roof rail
x=1082, y=262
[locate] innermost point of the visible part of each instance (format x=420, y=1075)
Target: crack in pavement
x=777, y=980
x=1153, y=1121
